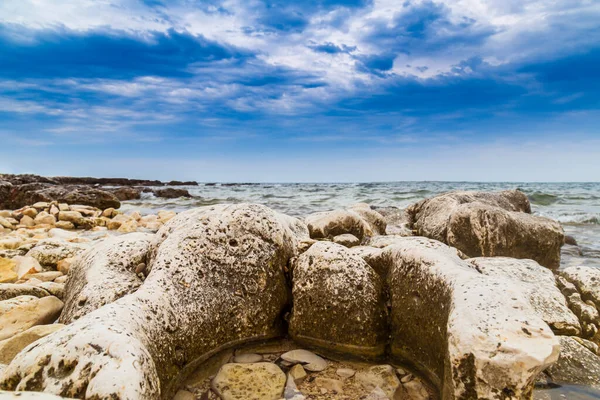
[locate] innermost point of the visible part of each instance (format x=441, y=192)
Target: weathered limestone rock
x=215, y=278
x=171, y=193
x=372, y=256
x=586, y=280
x=396, y=221
x=259, y=381
x=489, y=224
x=472, y=335
x=346, y=240
x=576, y=364
x=11, y=290
x=338, y=302
x=539, y=285
x=104, y=273
x=358, y=221
x=580, y=286
x=13, y=345
x=50, y=251
x=7, y=272
x=35, y=311
x=26, y=265
x=54, y=288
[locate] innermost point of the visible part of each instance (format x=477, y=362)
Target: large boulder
x=338, y=302
x=359, y=220
x=539, y=286
x=488, y=225
x=27, y=194
x=215, y=278
x=104, y=273
x=474, y=336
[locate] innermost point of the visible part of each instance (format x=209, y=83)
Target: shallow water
x=575, y=205
x=570, y=392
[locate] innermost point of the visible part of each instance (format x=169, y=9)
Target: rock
x=378, y=394
x=345, y=373
x=47, y=276
x=171, y=193
x=11, y=290
x=373, y=257
x=291, y=391
x=373, y=218
x=333, y=223
x=7, y=270
x=74, y=217
x=396, y=221
x=50, y=251
x=570, y=240
x=247, y=358
x=309, y=360
x=128, y=227
x=4, y=223
x=26, y=265
x=215, y=279
x=165, y=216
x=259, y=381
x=184, y=394
x=43, y=218
x=27, y=221
x=576, y=364
x=489, y=224
x=126, y=193
x=13, y=345
x=333, y=385
x=110, y=213
x=37, y=311
x=475, y=336
x=347, y=240
x=10, y=243
x=64, y=265
x=54, y=288
x=298, y=374
x=586, y=280
x=382, y=376
x=40, y=193
x=30, y=212
x=338, y=302
x=103, y=274
x=65, y=225
x=416, y=390
x=61, y=279
x=539, y=285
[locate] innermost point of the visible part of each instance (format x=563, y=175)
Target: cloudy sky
x=313, y=90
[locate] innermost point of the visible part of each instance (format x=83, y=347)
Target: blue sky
x=315, y=90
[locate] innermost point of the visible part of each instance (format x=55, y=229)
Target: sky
x=301, y=91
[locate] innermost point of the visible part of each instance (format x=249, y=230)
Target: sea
x=575, y=205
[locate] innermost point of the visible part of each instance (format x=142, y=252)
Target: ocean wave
x=580, y=219
x=543, y=199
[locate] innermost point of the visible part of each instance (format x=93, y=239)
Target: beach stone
x=338, y=302
x=26, y=265
x=291, y=391
x=13, y=345
x=103, y=274
x=54, y=288
x=6, y=224
x=298, y=374
x=36, y=311
x=46, y=276
x=347, y=240
x=11, y=290
x=539, y=285
x=50, y=251
x=64, y=265
x=576, y=364
x=247, y=358
x=489, y=224
x=345, y=373
x=309, y=360
x=259, y=381
x=333, y=385
x=7, y=270
x=61, y=279
x=382, y=376
x=44, y=218
x=128, y=227
x=166, y=216
x=474, y=335
x=10, y=243
x=215, y=279
x=379, y=394
x=110, y=213
x=356, y=221
x=30, y=212
x=65, y=225
x=27, y=221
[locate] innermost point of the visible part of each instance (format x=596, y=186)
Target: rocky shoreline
x=460, y=296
